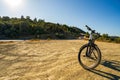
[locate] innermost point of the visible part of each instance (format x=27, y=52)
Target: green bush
x=117, y=40
x=107, y=38
x=60, y=36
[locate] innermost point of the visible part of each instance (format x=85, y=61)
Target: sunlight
x=14, y=3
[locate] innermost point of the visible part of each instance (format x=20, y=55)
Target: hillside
x=26, y=28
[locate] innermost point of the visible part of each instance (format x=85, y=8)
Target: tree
x=87, y=35
x=2, y=25
x=5, y=18
x=0, y=18
x=22, y=17
x=117, y=40
x=28, y=18
x=35, y=20
x=105, y=36
x=41, y=22
x=24, y=28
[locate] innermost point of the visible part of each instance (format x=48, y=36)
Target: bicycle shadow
x=115, y=65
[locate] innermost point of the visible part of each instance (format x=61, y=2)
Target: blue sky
x=101, y=15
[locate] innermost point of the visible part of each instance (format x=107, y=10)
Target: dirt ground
x=55, y=60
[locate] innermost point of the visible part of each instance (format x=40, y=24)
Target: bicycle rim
x=89, y=62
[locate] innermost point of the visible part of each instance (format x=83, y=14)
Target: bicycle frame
x=90, y=44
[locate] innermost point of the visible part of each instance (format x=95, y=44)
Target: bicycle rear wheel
x=89, y=57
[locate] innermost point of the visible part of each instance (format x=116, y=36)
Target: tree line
x=107, y=38
x=25, y=27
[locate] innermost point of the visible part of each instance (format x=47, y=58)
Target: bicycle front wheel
x=89, y=57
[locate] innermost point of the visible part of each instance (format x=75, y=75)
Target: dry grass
x=55, y=60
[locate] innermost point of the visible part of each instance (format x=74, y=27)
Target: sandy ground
x=55, y=60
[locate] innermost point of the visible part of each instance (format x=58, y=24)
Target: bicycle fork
x=88, y=51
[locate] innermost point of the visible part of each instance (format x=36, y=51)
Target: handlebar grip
x=88, y=28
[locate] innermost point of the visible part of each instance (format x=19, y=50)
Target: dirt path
x=55, y=60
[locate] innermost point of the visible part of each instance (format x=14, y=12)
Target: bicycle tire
x=98, y=59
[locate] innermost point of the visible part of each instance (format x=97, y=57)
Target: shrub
x=117, y=40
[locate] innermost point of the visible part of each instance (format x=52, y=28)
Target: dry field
x=55, y=60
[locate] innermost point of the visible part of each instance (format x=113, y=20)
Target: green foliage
x=60, y=36
x=87, y=35
x=107, y=38
x=117, y=40
x=104, y=37
x=25, y=26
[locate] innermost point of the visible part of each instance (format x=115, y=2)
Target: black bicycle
x=89, y=55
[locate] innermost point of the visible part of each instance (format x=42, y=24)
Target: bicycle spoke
x=94, y=55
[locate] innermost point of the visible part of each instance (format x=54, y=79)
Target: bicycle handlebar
x=88, y=28
x=93, y=31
